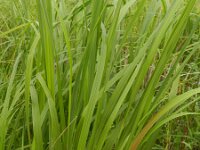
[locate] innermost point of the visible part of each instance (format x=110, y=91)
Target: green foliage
x=99, y=74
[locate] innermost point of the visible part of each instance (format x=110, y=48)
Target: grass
x=96, y=75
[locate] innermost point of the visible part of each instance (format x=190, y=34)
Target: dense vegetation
x=99, y=74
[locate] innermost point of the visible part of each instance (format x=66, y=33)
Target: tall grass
x=97, y=74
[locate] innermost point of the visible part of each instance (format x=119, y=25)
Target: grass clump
x=97, y=74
